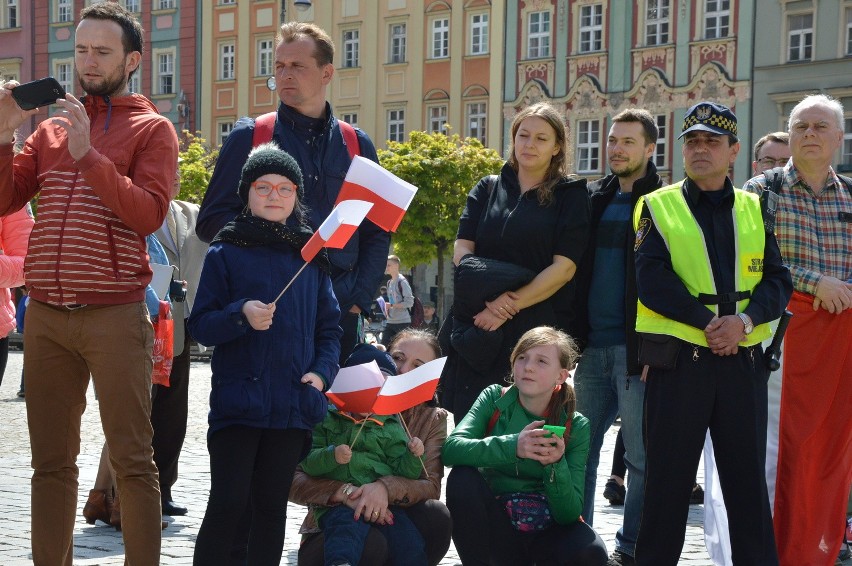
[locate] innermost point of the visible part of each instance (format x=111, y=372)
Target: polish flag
x=369, y=181
x=355, y=388
x=406, y=390
x=336, y=230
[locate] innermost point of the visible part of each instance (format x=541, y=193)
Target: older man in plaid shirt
x=813, y=225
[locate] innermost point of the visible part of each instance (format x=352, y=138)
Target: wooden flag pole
x=359, y=432
x=290, y=283
x=408, y=432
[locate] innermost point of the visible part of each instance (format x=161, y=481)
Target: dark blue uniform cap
x=710, y=117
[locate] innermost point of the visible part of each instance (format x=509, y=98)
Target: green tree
x=444, y=169
x=196, y=167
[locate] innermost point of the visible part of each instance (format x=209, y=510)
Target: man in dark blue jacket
x=607, y=377
x=306, y=128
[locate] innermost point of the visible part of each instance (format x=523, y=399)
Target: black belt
x=724, y=298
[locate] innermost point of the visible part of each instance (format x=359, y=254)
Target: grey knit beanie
x=265, y=159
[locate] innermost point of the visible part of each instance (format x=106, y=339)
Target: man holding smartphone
x=98, y=168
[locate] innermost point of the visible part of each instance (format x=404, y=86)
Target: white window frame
x=227, y=61
x=350, y=118
x=479, y=29
x=803, y=37
x=10, y=17
x=164, y=68
x=437, y=117
x=538, y=35
x=64, y=11
x=476, y=122
x=63, y=71
x=591, y=28
x=717, y=19
x=223, y=129
x=846, y=148
x=848, y=50
x=657, y=14
x=396, y=124
x=134, y=6
x=351, y=48
x=398, y=38
x=166, y=5
x=134, y=83
x=661, y=155
x=228, y=2
x=588, y=146
x=265, y=57
x=439, y=38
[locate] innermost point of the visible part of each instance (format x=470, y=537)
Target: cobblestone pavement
x=99, y=544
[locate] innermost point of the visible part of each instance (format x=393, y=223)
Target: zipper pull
x=627, y=386
x=694, y=353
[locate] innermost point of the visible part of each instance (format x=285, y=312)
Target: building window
x=9, y=17
x=717, y=16
x=227, y=2
x=538, y=35
x=227, y=55
x=397, y=43
x=224, y=129
x=588, y=146
x=800, y=37
x=64, y=11
x=849, y=31
x=134, y=6
x=265, y=60
x=476, y=115
x=134, y=83
x=165, y=4
x=657, y=22
x=396, y=125
x=662, y=145
x=351, y=47
x=438, y=119
x=478, y=34
x=63, y=72
x=846, y=158
x=591, y=28
x=440, y=38
x=350, y=118
x=165, y=79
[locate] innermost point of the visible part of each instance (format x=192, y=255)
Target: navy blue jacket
x=257, y=374
x=358, y=268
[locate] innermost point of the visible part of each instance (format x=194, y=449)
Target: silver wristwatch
x=747, y=324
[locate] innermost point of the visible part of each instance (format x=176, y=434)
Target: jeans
x=604, y=391
x=344, y=538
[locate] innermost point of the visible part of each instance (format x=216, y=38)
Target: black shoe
x=21, y=393
x=173, y=509
x=697, y=495
x=614, y=493
x=618, y=558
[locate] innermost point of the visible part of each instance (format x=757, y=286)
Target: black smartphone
x=38, y=93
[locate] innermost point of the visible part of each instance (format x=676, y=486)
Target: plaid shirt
x=814, y=241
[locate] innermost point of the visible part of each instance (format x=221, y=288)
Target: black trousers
x=727, y=395
x=353, y=333
x=484, y=535
x=253, y=465
x=169, y=413
x=432, y=519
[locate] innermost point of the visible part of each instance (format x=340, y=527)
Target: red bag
x=164, y=329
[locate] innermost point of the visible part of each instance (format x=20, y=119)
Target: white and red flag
x=406, y=390
x=355, y=388
x=369, y=181
x=336, y=230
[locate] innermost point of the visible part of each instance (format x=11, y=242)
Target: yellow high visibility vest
x=685, y=241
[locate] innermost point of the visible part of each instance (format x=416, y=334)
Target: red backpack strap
x=264, y=125
x=350, y=138
x=496, y=415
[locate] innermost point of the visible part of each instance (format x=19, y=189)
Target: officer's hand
x=724, y=334
x=833, y=295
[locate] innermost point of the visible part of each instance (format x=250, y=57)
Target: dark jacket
x=257, y=374
x=358, y=268
x=601, y=193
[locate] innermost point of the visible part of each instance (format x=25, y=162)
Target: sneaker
x=697, y=495
x=614, y=493
x=619, y=558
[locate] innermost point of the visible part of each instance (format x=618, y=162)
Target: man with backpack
x=305, y=127
x=400, y=300
x=812, y=213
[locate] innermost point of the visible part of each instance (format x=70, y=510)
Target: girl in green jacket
x=516, y=489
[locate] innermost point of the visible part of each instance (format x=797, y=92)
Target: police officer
x=709, y=280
